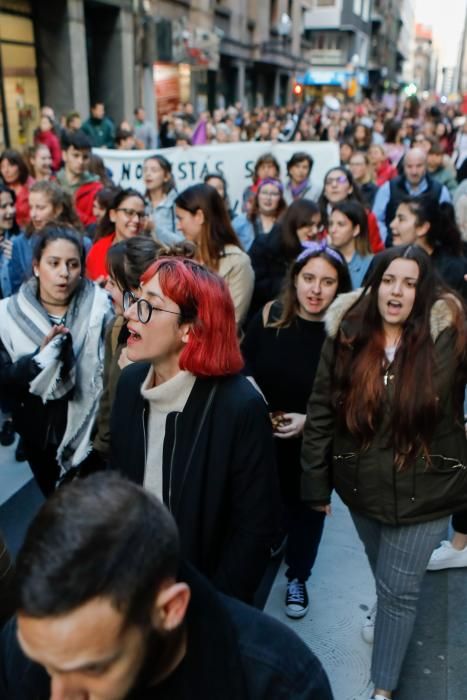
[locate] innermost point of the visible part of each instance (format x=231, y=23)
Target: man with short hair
x=105, y=607
x=145, y=132
x=74, y=177
x=414, y=181
x=99, y=128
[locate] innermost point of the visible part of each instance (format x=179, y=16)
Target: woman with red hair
x=191, y=429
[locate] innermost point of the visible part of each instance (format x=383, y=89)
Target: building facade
x=424, y=68
x=338, y=33
x=406, y=42
x=386, y=58
x=65, y=53
x=462, y=64
x=225, y=51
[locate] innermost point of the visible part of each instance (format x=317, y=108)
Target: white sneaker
x=447, y=557
x=368, y=628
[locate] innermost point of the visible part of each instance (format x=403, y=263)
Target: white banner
x=235, y=161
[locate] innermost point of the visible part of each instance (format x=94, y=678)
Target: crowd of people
x=190, y=384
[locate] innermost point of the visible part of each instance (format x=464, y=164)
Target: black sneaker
x=296, y=599
x=7, y=433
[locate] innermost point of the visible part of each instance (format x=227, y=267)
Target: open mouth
x=133, y=337
x=395, y=305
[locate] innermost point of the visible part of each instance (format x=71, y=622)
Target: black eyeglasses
x=143, y=307
x=132, y=213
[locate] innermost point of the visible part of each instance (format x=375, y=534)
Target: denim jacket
x=5, y=265
x=21, y=260
x=163, y=216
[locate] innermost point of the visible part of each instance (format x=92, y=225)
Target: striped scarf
x=77, y=371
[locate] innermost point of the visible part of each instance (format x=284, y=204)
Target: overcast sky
x=447, y=20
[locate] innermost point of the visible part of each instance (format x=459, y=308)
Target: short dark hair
x=77, y=139
x=100, y=536
x=299, y=157
x=122, y=134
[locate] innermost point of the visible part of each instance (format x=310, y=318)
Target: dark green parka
x=368, y=481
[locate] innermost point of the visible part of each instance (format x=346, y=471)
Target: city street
x=341, y=592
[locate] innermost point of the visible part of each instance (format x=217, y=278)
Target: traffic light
x=297, y=90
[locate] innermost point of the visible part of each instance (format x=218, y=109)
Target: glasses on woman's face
x=143, y=307
x=339, y=180
x=132, y=213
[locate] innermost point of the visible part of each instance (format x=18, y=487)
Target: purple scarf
x=298, y=189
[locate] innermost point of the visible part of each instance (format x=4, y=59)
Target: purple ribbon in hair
x=310, y=247
x=270, y=181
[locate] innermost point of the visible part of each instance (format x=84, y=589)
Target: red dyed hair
x=204, y=300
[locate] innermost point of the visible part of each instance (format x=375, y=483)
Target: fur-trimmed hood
x=441, y=316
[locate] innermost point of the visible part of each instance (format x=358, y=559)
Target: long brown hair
x=358, y=386
x=217, y=231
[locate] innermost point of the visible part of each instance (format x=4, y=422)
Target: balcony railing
x=326, y=57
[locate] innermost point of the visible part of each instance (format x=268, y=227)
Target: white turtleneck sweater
x=163, y=399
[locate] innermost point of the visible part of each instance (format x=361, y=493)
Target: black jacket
x=38, y=424
x=234, y=653
x=219, y=475
x=270, y=264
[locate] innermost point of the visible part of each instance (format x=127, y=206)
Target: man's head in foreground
x=99, y=604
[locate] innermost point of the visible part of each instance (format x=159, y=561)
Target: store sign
x=235, y=161
x=328, y=76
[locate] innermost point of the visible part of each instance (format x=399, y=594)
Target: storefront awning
x=330, y=76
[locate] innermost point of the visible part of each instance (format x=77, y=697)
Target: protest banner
x=235, y=161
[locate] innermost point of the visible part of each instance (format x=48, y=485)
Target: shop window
x=20, y=104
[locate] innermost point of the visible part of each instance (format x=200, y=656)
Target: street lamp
x=285, y=25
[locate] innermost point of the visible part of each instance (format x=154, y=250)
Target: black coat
x=234, y=652
x=35, y=421
x=219, y=475
x=270, y=264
